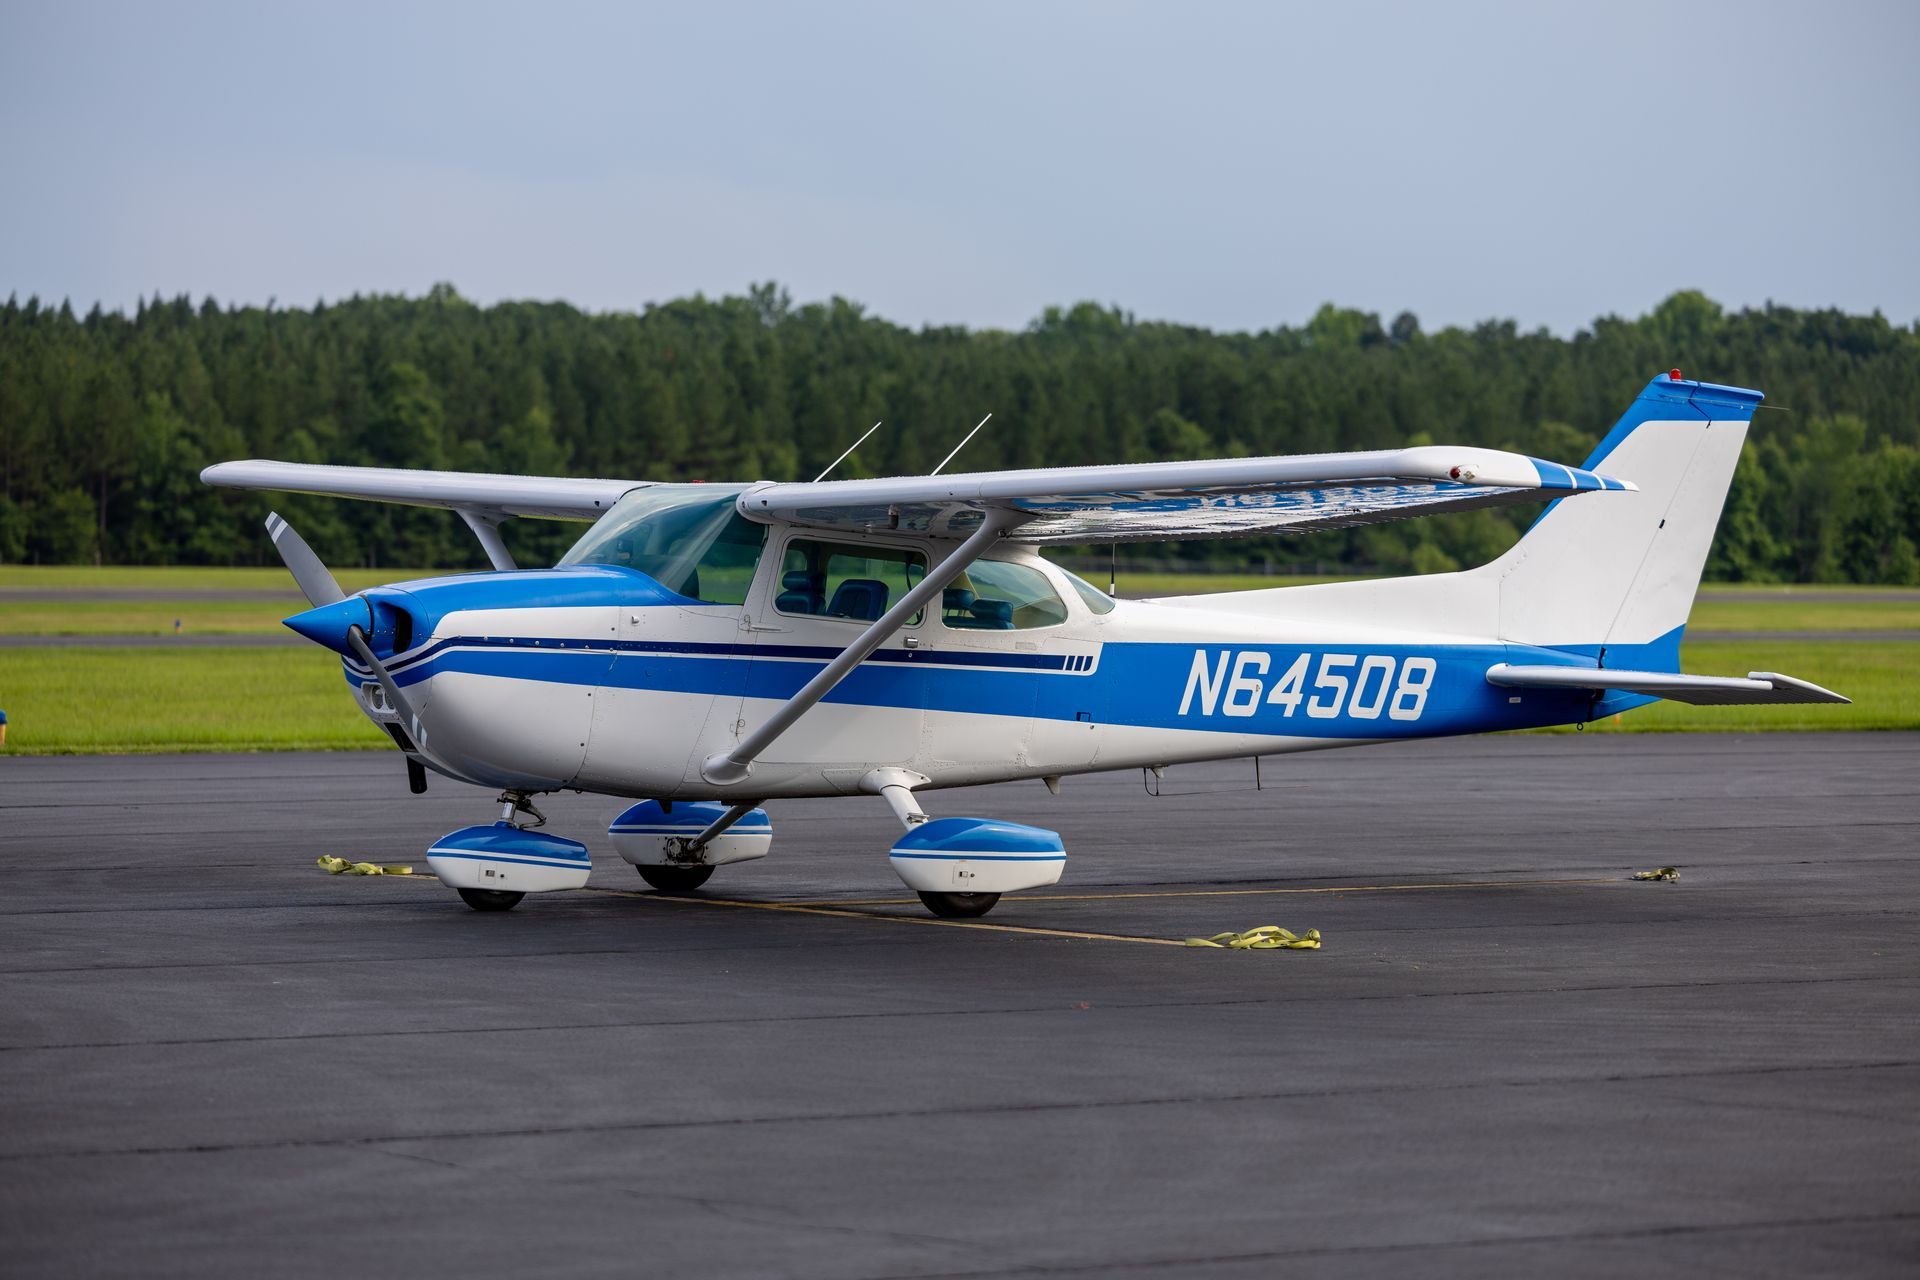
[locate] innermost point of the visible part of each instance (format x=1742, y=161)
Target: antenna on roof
x=957, y=448
x=850, y=448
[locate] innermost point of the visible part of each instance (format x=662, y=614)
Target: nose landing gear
x=493, y=867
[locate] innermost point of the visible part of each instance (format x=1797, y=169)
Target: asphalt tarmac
x=1509, y=1059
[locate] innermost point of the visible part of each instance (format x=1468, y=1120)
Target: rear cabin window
x=997, y=595
x=839, y=580
x=1093, y=597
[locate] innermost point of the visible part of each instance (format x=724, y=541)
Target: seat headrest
x=864, y=598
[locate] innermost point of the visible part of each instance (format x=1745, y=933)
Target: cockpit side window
x=688, y=538
x=853, y=582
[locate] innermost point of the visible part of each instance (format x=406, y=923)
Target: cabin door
x=822, y=595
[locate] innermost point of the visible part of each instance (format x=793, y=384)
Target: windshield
x=687, y=537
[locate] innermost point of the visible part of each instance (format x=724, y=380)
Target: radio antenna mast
x=843, y=457
x=957, y=448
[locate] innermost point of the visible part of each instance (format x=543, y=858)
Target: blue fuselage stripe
x=1135, y=684
x=406, y=663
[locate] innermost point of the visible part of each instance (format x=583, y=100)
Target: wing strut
x=486, y=527
x=733, y=766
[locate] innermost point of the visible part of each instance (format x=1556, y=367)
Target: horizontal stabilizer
x=1758, y=686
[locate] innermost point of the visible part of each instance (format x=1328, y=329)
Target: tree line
x=106, y=420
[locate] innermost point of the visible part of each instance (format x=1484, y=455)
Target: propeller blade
x=315, y=582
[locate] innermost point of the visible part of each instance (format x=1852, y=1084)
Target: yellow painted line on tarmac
x=839, y=912
x=1230, y=893
x=843, y=908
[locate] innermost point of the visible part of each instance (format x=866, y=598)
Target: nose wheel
x=959, y=906
x=490, y=899
x=493, y=867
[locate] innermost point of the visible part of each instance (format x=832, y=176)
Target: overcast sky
x=1226, y=165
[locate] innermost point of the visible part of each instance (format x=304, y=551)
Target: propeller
x=315, y=582
x=342, y=630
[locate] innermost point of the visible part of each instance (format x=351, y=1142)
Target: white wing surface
x=1167, y=500
x=553, y=497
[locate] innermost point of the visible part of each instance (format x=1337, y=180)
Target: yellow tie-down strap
x=341, y=867
x=1266, y=937
x=1659, y=873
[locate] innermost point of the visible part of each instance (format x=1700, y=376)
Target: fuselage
x=600, y=676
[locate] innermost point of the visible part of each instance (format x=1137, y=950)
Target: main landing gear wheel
x=959, y=906
x=674, y=879
x=490, y=899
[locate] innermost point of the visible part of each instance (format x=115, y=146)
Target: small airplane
x=705, y=649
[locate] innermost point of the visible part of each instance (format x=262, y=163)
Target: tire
x=675, y=879
x=959, y=906
x=491, y=899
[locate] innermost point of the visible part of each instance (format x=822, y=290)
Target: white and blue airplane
x=708, y=648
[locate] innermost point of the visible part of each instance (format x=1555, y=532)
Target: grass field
x=216, y=699
x=253, y=699
x=1866, y=609
x=262, y=617
x=1879, y=677
x=65, y=577
x=144, y=617
x=1135, y=586
x=62, y=701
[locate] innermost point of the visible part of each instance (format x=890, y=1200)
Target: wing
x=1759, y=686
x=553, y=497
x=1166, y=500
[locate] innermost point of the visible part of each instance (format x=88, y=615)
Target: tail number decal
x=1236, y=684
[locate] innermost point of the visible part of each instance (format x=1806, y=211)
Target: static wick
x=849, y=453
x=957, y=448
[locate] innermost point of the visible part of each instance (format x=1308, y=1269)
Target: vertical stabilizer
x=1619, y=572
